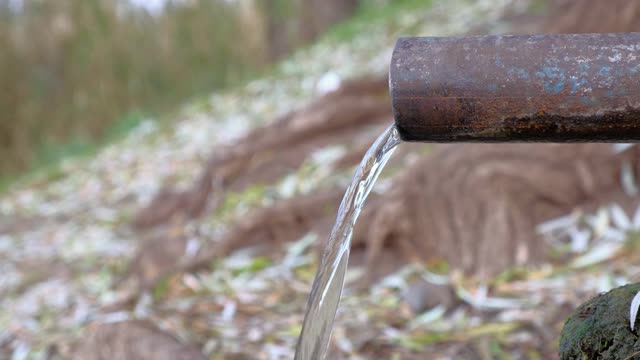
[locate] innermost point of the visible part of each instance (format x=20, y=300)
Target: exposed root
x=268, y=227
x=278, y=147
x=477, y=205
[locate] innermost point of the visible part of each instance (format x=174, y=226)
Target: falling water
x=327, y=286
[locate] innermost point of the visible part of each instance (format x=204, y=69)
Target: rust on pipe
x=556, y=88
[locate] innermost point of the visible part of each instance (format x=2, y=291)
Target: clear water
x=327, y=286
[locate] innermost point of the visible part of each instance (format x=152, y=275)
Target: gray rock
x=422, y=296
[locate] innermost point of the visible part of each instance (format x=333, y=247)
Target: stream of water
x=327, y=286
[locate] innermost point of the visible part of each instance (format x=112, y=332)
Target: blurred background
x=76, y=72
x=170, y=170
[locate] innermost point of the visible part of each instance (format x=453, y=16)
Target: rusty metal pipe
x=555, y=88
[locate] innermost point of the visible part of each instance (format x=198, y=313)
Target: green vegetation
x=161, y=289
x=72, y=70
x=372, y=12
x=52, y=153
x=77, y=74
x=48, y=156
x=255, y=265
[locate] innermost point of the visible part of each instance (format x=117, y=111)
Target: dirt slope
x=476, y=206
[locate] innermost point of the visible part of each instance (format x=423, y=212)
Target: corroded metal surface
x=583, y=87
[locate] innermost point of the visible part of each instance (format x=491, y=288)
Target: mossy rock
x=599, y=328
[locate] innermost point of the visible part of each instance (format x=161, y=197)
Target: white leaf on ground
x=21, y=352
x=328, y=82
x=434, y=278
x=579, y=240
x=192, y=282
x=288, y=186
x=597, y=254
x=299, y=247
x=620, y=218
x=114, y=317
x=143, y=306
x=615, y=235
x=628, y=180
x=344, y=344
x=427, y=317
x=392, y=281
x=276, y=352
x=636, y=219
x=480, y=300
x=599, y=222
x=354, y=274
x=328, y=155
x=192, y=248
x=229, y=311
x=633, y=311
x=556, y=224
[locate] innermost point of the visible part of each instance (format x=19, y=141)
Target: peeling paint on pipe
x=552, y=88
